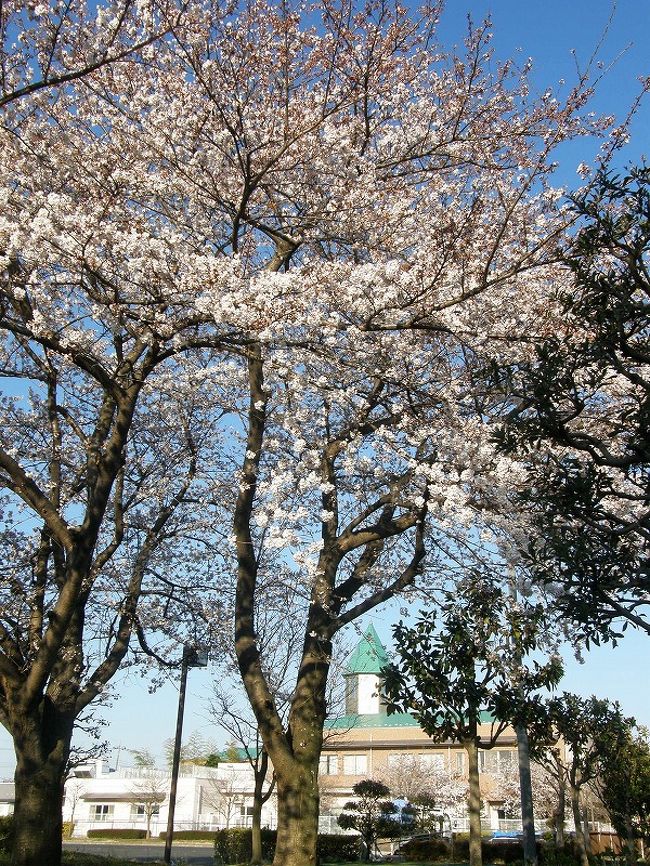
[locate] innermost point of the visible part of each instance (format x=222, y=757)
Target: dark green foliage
x=435, y=850
x=551, y=855
x=446, y=672
x=6, y=832
x=235, y=845
x=371, y=814
x=594, y=730
x=117, y=833
x=588, y=392
x=337, y=848
x=625, y=787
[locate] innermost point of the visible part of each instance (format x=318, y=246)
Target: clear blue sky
x=546, y=31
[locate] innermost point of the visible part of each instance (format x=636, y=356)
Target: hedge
x=235, y=846
x=117, y=833
x=197, y=835
x=6, y=833
x=336, y=847
x=426, y=849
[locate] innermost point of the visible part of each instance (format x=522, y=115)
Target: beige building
x=367, y=743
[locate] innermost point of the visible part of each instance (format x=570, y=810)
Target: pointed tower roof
x=370, y=656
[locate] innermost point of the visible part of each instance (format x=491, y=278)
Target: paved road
x=192, y=855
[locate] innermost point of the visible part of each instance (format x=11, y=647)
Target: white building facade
x=208, y=798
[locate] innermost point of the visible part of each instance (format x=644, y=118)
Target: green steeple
x=369, y=657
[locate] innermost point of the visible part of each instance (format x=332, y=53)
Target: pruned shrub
x=6, y=833
x=67, y=829
x=337, y=848
x=425, y=849
x=235, y=845
x=117, y=833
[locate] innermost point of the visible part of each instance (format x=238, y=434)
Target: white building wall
x=368, y=693
x=105, y=799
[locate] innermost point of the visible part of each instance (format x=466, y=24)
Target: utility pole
x=192, y=658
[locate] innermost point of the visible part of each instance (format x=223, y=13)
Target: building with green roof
x=369, y=743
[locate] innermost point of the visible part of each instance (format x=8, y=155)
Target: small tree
x=575, y=737
x=624, y=788
x=371, y=814
x=148, y=795
x=448, y=676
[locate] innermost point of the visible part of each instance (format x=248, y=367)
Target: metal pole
x=177, y=757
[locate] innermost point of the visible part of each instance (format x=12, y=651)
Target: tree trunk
x=577, y=819
x=526, y=790
x=629, y=844
x=559, y=816
x=297, y=817
x=474, y=803
x=260, y=769
x=37, y=814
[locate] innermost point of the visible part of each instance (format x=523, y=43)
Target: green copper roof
x=384, y=720
x=374, y=720
x=370, y=656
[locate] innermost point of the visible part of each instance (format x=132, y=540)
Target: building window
x=355, y=765
x=139, y=810
x=101, y=812
x=460, y=762
x=495, y=760
x=433, y=762
x=328, y=765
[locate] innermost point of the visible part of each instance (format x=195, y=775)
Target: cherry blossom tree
x=44, y=46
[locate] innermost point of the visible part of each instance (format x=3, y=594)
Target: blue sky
x=546, y=31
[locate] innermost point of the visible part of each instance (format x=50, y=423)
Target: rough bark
x=526, y=791
x=297, y=818
x=260, y=770
x=42, y=748
x=474, y=802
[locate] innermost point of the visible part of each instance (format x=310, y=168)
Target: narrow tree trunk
x=526, y=791
x=474, y=803
x=37, y=814
x=629, y=848
x=559, y=816
x=297, y=817
x=577, y=819
x=260, y=769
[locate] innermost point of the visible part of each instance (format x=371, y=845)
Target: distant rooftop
x=372, y=720
x=369, y=657
x=385, y=720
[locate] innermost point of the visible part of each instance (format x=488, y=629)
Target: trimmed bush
x=6, y=833
x=550, y=855
x=426, y=849
x=337, y=848
x=117, y=833
x=68, y=829
x=504, y=852
x=235, y=845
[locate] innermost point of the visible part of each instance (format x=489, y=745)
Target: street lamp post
x=192, y=658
